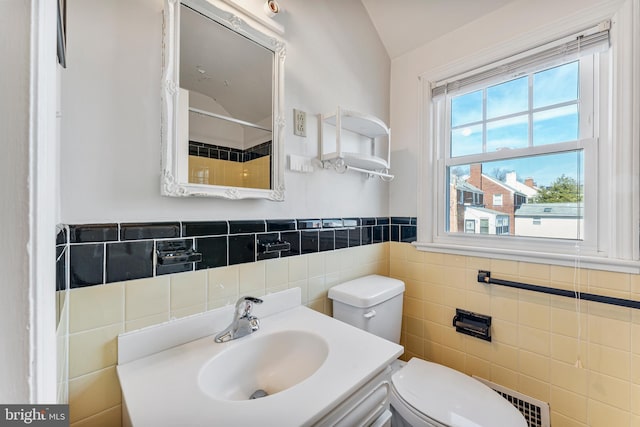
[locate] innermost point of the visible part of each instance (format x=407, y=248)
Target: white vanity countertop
x=162, y=389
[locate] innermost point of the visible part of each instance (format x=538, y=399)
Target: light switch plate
x=299, y=123
x=300, y=164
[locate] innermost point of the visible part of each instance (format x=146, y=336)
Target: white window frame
x=497, y=200
x=466, y=227
x=613, y=242
x=484, y=224
x=587, y=143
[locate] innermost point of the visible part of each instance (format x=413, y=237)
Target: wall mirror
x=222, y=96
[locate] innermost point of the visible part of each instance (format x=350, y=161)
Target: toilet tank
x=372, y=303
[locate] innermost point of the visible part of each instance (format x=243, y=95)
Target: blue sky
x=543, y=169
x=554, y=118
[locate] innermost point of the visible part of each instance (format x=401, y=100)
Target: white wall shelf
x=362, y=143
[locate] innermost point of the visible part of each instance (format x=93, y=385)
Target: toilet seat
x=440, y=396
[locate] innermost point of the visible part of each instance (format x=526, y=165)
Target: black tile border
x=205, y=228
x=281, y=224
x=97, y=254
x=149, y=230
x=309, y=242
x=62, y=248
x=211, y=151
x=129, y=260
x=86, y=265
x=247, y=226
x=61, y=235
x=214, y=252
x=91, y=233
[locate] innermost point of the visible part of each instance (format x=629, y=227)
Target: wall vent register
x=535, y=411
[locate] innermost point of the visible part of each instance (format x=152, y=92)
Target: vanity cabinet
x=350, y=140
x=368, y=406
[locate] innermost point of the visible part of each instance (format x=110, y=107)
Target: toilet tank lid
x=366, y=291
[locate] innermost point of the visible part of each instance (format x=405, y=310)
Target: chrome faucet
x=243, y=322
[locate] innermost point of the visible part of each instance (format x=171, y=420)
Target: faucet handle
x=245, y=305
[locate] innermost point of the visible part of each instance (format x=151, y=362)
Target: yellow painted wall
x=252, y=174
x=257, y=173
x=535, y=336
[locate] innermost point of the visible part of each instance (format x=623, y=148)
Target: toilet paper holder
x=473, y=324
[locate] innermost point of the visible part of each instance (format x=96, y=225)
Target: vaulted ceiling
x=404, y=25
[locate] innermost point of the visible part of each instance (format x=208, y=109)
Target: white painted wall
x=29, y=209
x=110, y=154
x=519, y=20
x=476, y=215
x=14, y=172
x=558, y=228
x=209, y=130
x=218, y=131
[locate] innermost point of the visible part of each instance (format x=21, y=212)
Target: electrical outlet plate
x=299, y=123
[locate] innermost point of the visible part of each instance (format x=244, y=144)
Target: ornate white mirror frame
x=174, y=179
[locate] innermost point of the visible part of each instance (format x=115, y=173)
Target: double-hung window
x=524, y=136
x=530, y=135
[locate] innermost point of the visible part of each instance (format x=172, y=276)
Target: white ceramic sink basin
x=270, y=363
x=175, y=374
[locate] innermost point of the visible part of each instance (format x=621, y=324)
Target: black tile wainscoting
x=95, y=254
x=211, y=151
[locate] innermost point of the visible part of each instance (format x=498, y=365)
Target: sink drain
x=258, y=394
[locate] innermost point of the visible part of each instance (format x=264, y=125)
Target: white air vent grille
x=535, y=411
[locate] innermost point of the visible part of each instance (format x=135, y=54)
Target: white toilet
x=422, y=393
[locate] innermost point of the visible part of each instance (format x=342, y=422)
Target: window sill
x=567, y=260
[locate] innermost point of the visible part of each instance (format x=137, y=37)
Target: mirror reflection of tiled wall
x=218, y=165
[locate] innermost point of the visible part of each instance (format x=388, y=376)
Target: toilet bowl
x=423, y=394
